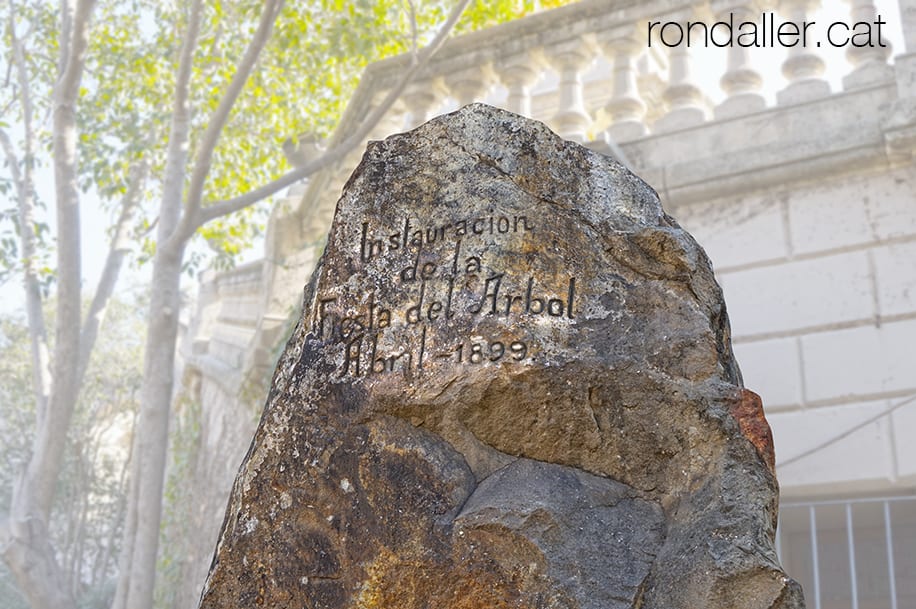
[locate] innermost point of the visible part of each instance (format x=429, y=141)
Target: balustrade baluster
x=687, y=105
x=421, y=98
x=741, y=81
x=519, y=73
x=869, y=62
x=570, y=59
x=392, y=121
x=908, y=23
x=803, y=67
x=626, y=108
x=470, y=85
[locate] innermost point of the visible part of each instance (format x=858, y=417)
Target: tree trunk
x=151, y=435
x=100, y=565
x=130, y=526
x=153, y=426
x=121, y=242
x=30, y=557
x=27, y=547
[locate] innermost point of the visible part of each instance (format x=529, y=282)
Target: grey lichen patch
x=511, y=386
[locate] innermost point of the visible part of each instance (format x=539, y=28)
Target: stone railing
x=588, y=71
x=229, y=308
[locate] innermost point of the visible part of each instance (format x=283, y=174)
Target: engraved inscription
x=493, y=302
x=372, y=246
x=427, y=278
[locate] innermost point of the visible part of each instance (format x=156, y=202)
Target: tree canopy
x=306, y=73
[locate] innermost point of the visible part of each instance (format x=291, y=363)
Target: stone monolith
x=511, y=386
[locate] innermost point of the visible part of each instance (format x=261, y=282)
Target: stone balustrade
x=605, y=77
x=586, y=70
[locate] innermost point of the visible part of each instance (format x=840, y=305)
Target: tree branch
x=219, y=209
x=38, y=334
x=45, y=464
x=414, y=38
x=25, y=196
x=179, y=129
x=12, y=160
x=136, y=530
x=67, y=10
x=74, y=53
x=6, y=535
x=220, y=116
x=120, y=245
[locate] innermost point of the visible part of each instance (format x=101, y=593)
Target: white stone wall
x=820, y=282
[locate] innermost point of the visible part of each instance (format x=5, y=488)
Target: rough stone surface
x=512, y=385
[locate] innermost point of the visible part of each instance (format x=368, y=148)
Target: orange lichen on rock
x=748, y=411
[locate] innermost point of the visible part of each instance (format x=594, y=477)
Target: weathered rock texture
x=511, y=386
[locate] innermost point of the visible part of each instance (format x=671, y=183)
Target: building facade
x=801, y=188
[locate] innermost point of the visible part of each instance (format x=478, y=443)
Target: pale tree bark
x=121, y=244
x=177, y=224
x=24, y=186
x=27, y=547
x=47, y=457
x=129, y=532
x=162, y=331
